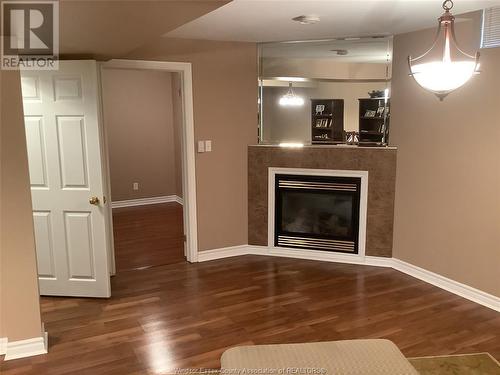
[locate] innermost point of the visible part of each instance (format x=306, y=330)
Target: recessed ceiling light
x=307, y=19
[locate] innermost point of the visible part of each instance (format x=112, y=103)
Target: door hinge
x=185, y=238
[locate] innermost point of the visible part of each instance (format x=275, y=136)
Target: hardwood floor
x=186, y=315
x=148, y=236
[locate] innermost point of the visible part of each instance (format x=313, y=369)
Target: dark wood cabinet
x=327, y=121
x=374, y=116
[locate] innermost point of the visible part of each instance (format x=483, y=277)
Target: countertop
x=339, y=146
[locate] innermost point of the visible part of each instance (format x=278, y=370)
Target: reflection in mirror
x=325, y=91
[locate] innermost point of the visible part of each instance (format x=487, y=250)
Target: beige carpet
x=461, y=364
x=467, y=364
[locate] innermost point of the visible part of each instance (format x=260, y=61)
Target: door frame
x=187, y=147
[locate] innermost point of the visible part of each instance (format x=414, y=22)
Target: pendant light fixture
x=448, y=74
x=290, y=98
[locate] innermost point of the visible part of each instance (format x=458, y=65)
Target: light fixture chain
x=448, y=5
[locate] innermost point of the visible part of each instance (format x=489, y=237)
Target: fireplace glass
x=317, y=213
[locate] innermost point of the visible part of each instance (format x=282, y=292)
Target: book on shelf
x=323, y=123
x=323, y=137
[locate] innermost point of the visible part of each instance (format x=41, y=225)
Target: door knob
x=94, y=200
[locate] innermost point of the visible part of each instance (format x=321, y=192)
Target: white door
x=63, y=135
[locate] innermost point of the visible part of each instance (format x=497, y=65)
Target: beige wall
x=447, y=215
x=225, y=111
x=294, y=123
x=19, y=304
x=139, y=120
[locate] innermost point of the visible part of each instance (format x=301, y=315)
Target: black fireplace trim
x=322, y=179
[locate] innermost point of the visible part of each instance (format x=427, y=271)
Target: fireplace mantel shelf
x=339, y=146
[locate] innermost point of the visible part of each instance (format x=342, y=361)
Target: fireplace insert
x=317, y=212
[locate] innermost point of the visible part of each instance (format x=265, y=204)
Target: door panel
x=31, y=88
x=35, y=140
x=72, y=156
x=44, y=244
x=64, y=154
x=80, y=246
x=67, y=88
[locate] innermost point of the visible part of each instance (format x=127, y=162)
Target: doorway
x=142, y=112
x=70, y=179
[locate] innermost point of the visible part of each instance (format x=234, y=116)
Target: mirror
x=317, y=92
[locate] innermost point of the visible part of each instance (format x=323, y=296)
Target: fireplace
x=317, y=212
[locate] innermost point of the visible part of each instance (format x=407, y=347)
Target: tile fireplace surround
x=379, y=162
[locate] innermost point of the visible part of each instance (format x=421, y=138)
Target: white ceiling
x=270, y=20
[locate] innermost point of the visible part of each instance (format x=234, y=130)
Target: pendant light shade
x=290, y=98
x=443, y=76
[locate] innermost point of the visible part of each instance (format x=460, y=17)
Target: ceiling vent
x=340, y=52
x=307, y=20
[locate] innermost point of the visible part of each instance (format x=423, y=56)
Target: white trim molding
x=323, y=256
x=225, y=252
x=26, y=348
x=462, y=290
x=3, y=345
x=147, y=201
x=188, y=143
x=363, y=205
x=452, y=286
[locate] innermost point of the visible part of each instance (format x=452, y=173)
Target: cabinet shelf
x=372, y=118
x=374, y=130
x=330, y=123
